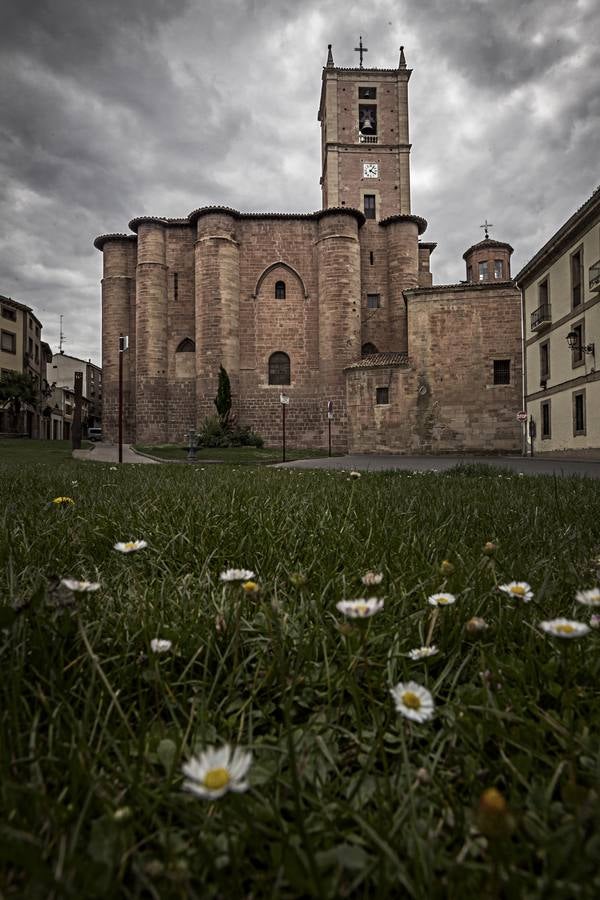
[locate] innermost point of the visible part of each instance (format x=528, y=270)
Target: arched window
x=368, y=350
x=280, y=290
x=279, y=368
x=186, y=346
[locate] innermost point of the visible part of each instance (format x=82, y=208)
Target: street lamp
x=574, y=342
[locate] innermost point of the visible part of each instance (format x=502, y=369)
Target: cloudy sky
x=117, y=108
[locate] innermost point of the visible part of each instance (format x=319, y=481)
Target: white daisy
x=160, y=645
x=413, y=701
x=589, y=598
x=237, y=575
x=441, y=599
x=595, y=621
x=129, y=546
x=354, y=474
x=80, y=587
x=372, y=578
x=216, y=771
x=422, y=652
x=360, y=609
x=519, y=590
x=564, y=628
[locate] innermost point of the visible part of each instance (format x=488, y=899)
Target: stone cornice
x=236, y=214
x=462, y=286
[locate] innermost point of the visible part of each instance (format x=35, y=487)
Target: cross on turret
x=486, y=226
x=360, y=49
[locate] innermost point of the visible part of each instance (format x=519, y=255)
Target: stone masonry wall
x=446, y=401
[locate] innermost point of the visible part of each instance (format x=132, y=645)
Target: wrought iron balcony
x=595, y=276
x=540, y=317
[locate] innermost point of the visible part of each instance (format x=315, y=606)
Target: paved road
x=364, y=462
x=109, y=453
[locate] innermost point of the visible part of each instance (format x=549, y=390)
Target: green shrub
x=218, y=433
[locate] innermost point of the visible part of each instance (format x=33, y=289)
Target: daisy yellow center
x=565, y=629
x=362, y=608
x=129, y=545
x=411, y=700
x=518, y=589
x=250, y=586
x=215, y=779
x=443, y=600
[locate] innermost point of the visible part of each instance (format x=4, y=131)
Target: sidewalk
x=109, y=453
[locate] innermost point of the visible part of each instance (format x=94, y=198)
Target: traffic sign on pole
x=522, y=416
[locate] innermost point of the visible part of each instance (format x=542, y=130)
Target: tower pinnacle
x=329, y=57
x=402, y=63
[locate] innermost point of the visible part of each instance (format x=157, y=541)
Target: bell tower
x=365, y=149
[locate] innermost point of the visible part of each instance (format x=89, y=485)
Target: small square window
x=382, y=395
x=367, y=93
x=8, y=313
x=369, y=206
x=373, y=301
x=502, y=371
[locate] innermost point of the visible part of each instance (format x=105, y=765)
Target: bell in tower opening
x=367, y=120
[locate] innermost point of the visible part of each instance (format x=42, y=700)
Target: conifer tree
x=223, y=398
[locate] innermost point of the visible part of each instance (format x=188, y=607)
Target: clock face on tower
x=370, y=170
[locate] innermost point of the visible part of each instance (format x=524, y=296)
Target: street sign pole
x=284, y=400
x=329, y=418
x=283, y=405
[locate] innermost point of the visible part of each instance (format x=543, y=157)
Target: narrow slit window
x=280, y=290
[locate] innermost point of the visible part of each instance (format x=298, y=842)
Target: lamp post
x=123, y=346
x=574, y=341
x=329, y=418
x=192, y=445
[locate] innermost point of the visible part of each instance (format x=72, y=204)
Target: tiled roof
x=103, y=239
x=419, y=221
x=488, y=242
x=564, y=235
x=379, y=360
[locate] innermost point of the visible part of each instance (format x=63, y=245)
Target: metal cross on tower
x=486, y=225
x=360, y=49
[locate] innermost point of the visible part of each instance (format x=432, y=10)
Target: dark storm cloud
x=126, y=107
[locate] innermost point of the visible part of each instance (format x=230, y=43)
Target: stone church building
x=335, y=305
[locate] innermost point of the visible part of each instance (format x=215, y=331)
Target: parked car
x=94, y=434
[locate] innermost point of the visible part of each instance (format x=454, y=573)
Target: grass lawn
x=19, y=451
x=346, y=797
x=238, y=456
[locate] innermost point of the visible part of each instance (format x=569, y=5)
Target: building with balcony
x=20, y=351
x=60, y=372
x=560, y=286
